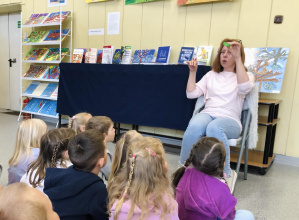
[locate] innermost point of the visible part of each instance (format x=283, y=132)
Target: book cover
x=34, y=105
x=40, y=89
x=55, y=93
x=204, y=54
x=36, y=54
x=148, y=55
x=55, y=17
x=40, y=18
x=49, y=108
x=85, y=50
x=77, y=56
x=163, y=54
x=35, y=36
x=53, y=54
x=91, y=55
x=31, y=19
x=186, y=54
x=31, y=88
x=53, y=73
x=54, y=35
x=127, y=55
x=36, y=71
x=49, y=90
x=99, y=56
x=117, y=56
x=107, y=54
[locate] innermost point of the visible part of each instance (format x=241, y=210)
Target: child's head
x=104, y=125
x=53, y=151
x=78, y=121
x=120, y=153
x=143, y=179
x=207, y=156
x=19, y=201
x=29, y=135
x=87, y=150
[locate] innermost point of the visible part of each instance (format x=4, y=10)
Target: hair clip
x=151, y=151
x=74, y=117
x=134, y=155
x=124, y=136
x=124, y=195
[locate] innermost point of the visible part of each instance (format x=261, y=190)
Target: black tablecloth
x=149, y=95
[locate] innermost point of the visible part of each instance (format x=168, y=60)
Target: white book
x=127, y=56
x=204, y=54
x=91, y=55
x=39, y=89
x=107, y=54
x=55, y=93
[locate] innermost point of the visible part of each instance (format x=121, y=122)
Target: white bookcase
x=65, y=42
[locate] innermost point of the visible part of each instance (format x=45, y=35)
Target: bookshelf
x=64, y=41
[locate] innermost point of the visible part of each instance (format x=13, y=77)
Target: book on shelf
x=163, y=54
x=49, y=90
x=55, y=17
x=107, y=54
x=40, y=89
x=34, y=105
x=143, y=56
x=55, y=93
x=36, y=53
x=53, y=73
x=35, y=36
x=31, y=19
x=40, y=18
x=77, y=56
x=53, y=54
x=204, y=54
x=99, y=56
x=186, y=54
x=54, y=35
x=49, y=108
x=31, y=88
x=194, y=57
x=117, y=57
x=91, y=55
x=84, y=50
x=36, y=71
x=127, y=55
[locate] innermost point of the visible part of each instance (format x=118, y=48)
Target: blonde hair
x=120, y=153
x=79, y=120
x=16, y=203
x=143, y=180
x=28, y=136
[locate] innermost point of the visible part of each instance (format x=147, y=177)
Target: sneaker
x=231, y=181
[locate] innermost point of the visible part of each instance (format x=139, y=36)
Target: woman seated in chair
x=223, y=89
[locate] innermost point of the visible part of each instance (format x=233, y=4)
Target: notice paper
x=113, y=23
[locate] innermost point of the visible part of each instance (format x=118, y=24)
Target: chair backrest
x=245, y=120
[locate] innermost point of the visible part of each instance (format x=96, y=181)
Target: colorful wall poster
x=130, y=2
x=268, y=66
x=52, y=3
x=187, y=2
x=93, y=1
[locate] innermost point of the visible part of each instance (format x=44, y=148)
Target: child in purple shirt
x=201, y=190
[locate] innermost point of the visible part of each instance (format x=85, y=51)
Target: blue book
x=49, y=90
x=49, y=108
x=163, y=54
x=137, y=56
x=31, y=88
x=34, y=105
x=148, y=55
x=117, y=57
x=186, y=54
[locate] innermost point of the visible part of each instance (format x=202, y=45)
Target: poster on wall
x=268, y=66
x=187, y=2
x=130, y=2
x=52, y=3
x=93, y=1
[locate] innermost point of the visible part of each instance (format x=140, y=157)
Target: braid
x=71, y=123
x=55, y=150
x=121, y=201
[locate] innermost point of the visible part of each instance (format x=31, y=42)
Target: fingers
x=192, y=63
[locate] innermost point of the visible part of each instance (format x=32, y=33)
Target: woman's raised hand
x=235, y=49
x=192, y=65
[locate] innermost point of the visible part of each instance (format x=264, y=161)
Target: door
x=10, y=40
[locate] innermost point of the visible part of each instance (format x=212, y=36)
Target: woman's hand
x=235, y=49
x=192, y=66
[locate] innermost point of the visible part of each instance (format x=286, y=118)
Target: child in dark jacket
x=78, y=192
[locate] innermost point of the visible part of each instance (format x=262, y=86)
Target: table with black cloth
x=148, y=95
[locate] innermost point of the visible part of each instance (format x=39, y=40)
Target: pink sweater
x=224, y=96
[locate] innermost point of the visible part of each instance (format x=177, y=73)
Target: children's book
x=163, y=54
x=85, y=50
x=53, y=73
x=54, y=35
x=118, y=56
x=35, y=36
x=40, y=89
x=53, y=54
x=49, y=108
x=99, y=56
x=31, y=88
x=91, y=55
x=137, y=57
x=31, y=19
x=77, y=56
x=194, y=57
x=204, y=54
x=49, y=90
x=55, y=17
x=186, y=54
x=127, y=56
x=40, y=18
x=36, y=54
x=55, y=93
x=148, y=55
x=34, y=105
x=107, y=54
x=36, y=71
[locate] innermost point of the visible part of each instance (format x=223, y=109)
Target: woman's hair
x=100, y=123
x=53, y=145
x=29, y=135
x=207, y=156
x=86, y=148
x=120, y=153
x=143, y=180
x=217, y=65
x=79, y=120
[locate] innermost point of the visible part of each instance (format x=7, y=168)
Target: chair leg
x=246, y=162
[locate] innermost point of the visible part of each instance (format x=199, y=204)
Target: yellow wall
x=161, y=23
